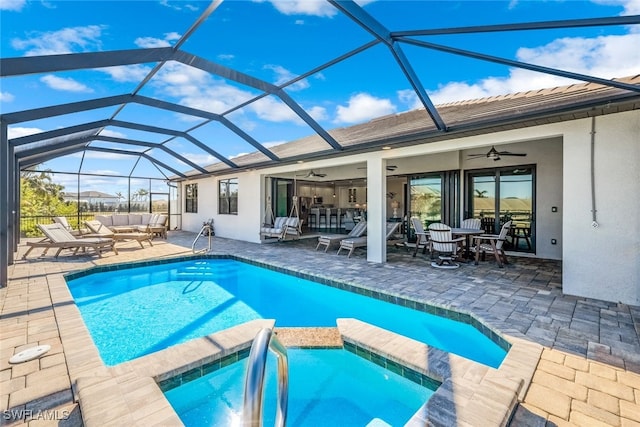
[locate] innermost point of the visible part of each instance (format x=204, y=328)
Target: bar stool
x=333, y=217
x=313, y=217
x=323, y=216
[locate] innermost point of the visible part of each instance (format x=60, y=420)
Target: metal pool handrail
x=254, y=381
x=205, y=227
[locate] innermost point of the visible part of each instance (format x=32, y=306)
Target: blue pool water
x=326, y=388
x=137, y=311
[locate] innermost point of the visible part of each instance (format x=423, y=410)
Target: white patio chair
x=442, y=241
x=492, y=243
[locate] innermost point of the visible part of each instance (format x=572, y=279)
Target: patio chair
x=58, y=237
x=328, y=239
x=62, y=220
x=352, y=243
x=422, y=237
x=100, y=230
x=474, y=223
x=492, y=243
x=442, y=241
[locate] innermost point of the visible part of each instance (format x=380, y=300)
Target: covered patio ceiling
x=179, y=136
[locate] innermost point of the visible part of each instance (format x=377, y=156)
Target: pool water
x=326, y=388
x=137, y=311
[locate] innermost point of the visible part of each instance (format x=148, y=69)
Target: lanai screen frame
x=14, y=159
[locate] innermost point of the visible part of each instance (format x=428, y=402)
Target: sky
x=276, y=41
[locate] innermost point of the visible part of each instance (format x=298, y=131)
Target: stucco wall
x=603, y=262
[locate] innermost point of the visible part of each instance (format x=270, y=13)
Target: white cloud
x=172, y=36
x=273, y=110
x=631, y=7
x=17, y=132
x=362, y=107
x=274, y=143
x=198, y=89
x=103, y=155
x=303, y=7
x=318, y=113
x=67, y=40
x=64, y=84
x=127, y=73
x=112, y=133
x=179, y=5
x=605, y=57
x=200, y=159
x=12, y=5
x=226, y=57
x=149, y=42
x=409, y=98
x=6, y=97
x=283, y=75
x=237, y=155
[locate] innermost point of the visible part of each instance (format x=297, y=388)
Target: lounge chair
x=359, y=242
x=100, y=230
x=492, y=243
x=58, y=237
x=328, y=239
x=62, y=220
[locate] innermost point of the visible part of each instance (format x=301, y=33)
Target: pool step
x=309, y=337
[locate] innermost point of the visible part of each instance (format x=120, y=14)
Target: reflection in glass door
x=505, y=194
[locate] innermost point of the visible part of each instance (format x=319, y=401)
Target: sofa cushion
x=119, y=220
x=105, y=219
x=159, y=221
x=135, y=219
x=145, y=218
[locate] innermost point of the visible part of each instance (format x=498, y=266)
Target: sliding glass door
x=433, y=198
x=504, y=194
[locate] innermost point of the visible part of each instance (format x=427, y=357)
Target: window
x=228, y=196
x=191, y=198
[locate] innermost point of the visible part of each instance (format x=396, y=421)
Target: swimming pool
x=136, y=311
x=327, y=388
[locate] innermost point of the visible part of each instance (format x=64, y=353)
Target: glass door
x=505, y=194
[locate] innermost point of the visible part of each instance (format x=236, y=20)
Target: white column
x=376, y=210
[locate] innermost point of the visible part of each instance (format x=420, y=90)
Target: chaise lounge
x=328, y=239
x=101, y=230
x=58, y=237
x=359, y=242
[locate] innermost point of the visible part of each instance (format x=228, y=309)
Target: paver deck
x=588, y=372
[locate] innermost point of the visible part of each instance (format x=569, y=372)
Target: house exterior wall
x=601, y=262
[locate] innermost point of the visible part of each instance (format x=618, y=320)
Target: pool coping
x=130, y=394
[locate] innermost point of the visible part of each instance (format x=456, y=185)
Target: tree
x=40, y=196
x=481, y=194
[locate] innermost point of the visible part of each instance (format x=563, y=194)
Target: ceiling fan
x=390, y=168
x=495, y=154
x=312, y=174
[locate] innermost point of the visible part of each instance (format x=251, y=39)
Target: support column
x=376, y=210
x=12, y=207
x=4, y=205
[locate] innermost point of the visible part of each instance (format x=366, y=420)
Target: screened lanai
x=157, y=92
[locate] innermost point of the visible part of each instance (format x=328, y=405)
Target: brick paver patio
x=588, y=373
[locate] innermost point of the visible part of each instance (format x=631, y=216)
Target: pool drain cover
x=29, y=354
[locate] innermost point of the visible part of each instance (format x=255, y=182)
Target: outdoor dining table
x=467, y=233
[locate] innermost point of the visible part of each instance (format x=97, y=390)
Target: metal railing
x=254, y=381
x=206, y=230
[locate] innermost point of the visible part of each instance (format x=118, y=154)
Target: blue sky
x=276, y=41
